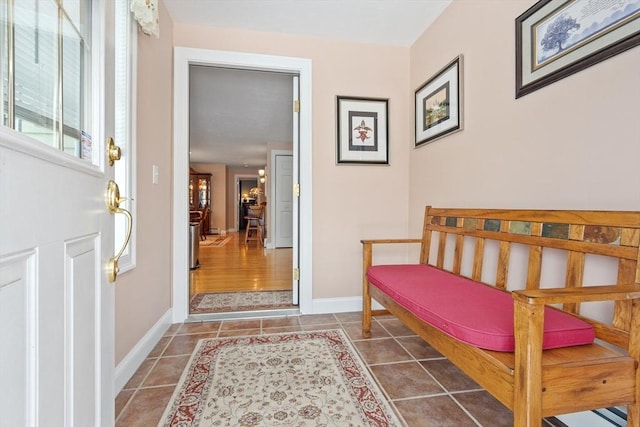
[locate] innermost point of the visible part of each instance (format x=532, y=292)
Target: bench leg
x=633, y=415
x=366, y=296
x=527, y=399
x=366, y=313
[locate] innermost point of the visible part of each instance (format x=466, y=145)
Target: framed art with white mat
x=438, y=104
x=363, y=130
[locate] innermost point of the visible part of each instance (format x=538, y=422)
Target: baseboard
x=132, y=361
x=340, y=305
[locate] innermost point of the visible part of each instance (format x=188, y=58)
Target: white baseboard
x=340, y=305
x=132, y=361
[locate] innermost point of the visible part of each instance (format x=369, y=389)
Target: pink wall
x=143, y=295
x=349, y=202
x=572, y=145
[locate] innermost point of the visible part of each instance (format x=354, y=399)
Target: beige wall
x=349, y=202
x=143, y=295
x=218, y=192
x=572, y=145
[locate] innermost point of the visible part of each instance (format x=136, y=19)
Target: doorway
x=183, y=58
x=243, y=200
x=237, y=117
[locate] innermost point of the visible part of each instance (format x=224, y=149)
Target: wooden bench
x=532, y=382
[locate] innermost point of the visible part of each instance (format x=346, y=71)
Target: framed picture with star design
x=363, y=130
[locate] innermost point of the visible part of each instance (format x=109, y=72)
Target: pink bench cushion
x=471, y=312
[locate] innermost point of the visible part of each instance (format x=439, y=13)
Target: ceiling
x=234, y=113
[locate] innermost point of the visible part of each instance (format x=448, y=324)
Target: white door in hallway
x=284, y=201
x=56, y=234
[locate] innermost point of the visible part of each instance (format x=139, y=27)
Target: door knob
x=113, y=204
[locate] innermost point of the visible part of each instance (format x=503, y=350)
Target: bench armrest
x=381, y=241
x=367, y=260
x=367, y=248
x=575, y=295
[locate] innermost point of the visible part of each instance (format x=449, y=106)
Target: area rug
x=215, y=241
x=239, y=301
x=294, y=379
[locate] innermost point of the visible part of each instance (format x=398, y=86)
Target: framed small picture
x=557, y=38
x=363, y=130
x=439, y=104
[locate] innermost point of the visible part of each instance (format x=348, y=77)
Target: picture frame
x=362, y=130
x=439, y=104
x=557, y=38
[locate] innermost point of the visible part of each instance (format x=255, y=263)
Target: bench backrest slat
x=579, y=234
x=534, y=271
x=575, y=275
x=478, y=258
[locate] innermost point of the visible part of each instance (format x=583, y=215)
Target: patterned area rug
x=215, y=241
x=294, y=379
x=240, y=301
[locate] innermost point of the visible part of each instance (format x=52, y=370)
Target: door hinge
x=296, y=273
x=296, y=190
x=296, y=106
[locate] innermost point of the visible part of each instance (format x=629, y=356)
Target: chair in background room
x=254, y=224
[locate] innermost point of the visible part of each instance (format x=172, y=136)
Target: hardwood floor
x=239, y=267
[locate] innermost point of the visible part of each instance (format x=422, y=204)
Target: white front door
x=56, y=234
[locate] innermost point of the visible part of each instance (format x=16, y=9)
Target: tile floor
x=425, y=388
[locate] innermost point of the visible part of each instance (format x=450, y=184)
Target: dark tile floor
x=424, y=387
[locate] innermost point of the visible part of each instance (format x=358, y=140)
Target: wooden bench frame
x=531, y=382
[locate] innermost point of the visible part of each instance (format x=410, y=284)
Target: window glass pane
x=36, y=69
x=72, y=84
x=72, y=9
x=4, y=64
x=45, y=72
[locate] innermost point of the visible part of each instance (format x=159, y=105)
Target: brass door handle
x=113, y=204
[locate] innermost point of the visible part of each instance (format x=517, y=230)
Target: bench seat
x=470, y=311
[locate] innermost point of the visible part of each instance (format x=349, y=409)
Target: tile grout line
x=446, y=391
x=139, y=386
x=375, y=377
x=367, y=366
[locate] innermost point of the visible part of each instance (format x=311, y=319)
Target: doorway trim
x=183, y=57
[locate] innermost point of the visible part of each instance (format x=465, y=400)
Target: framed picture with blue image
x=362, y=130
x=557, y=38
